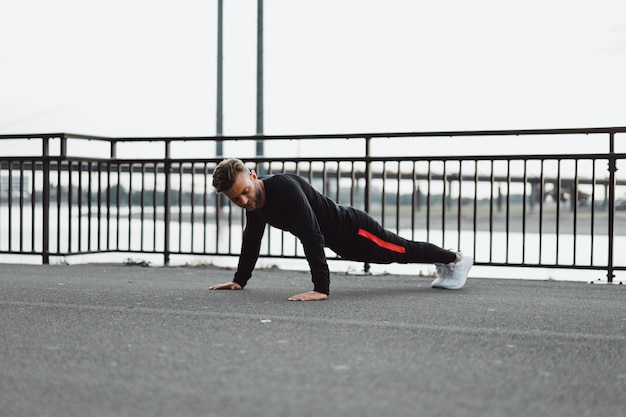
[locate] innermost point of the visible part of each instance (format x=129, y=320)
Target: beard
x=254, y=204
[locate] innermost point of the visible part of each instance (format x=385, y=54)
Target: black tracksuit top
x=293, y=205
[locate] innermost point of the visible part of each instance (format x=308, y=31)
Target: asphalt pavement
x=115, y=340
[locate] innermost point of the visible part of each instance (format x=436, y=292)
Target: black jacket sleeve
x=250, y=247
x=304, y=225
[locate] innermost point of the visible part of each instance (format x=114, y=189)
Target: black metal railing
x=523, y=198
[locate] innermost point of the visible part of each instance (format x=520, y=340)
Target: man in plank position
x=288, y=202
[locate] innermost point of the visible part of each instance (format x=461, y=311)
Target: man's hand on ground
x=227, y=286
x=309, y=296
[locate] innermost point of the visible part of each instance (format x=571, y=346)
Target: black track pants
x=367, y=241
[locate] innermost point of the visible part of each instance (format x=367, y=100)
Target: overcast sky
x=148, y=67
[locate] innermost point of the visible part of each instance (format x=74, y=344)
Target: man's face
x=245, y=191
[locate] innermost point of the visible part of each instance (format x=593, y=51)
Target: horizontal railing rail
x=500, y=195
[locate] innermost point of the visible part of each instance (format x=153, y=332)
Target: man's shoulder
x=284, y=178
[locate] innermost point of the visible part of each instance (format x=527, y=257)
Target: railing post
x=167, y=171
x=45, y=157
x=366, y=190
x=612, y=169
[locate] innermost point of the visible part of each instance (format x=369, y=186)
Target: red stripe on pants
x=381, y=243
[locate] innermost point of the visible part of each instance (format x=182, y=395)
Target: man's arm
x=250, y=248
x=306, y=228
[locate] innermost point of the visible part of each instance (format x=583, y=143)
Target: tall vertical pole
x=219, y=131
x=259, y=80
x=220, y=114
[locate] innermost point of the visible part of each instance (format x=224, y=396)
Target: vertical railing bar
x=144, y=214
x=338, y=182
x=266, y=169
x=21, y=206
x=59, y=168
x=414, y=197
x=99, y=202
x=108, y=202
x=475, y=214
x=155, y=217
x=325, y=178
x=398, y=200
x=130, y=205
x=383, y=199
x=230, y=226
x=168, y=197
x=269, y=231
x=33, y=204
x=205, y=196
x=428, y=199
x=181, y=172
x=142, y=203
x=89, y=204
x=113, y=157
x=10, y=205
x=353, y=184
x=193, y=204
x=593, y=212
x=508, y=210
x=80, y=206
x=295, y=242
x=351, y=198
x=491, y=197
x=444, y=202
x=118, y=206
x=282, y=235
x=218, y=216
x=558, y=210
x=574, y=201
x=283, y=242
x=524, y=203
x=62, y=159
x=45, y=153
x=542, y=186
x=612, y=183
x=70, y=211
x=1, y=228
x=368, y=180
x=459, y=206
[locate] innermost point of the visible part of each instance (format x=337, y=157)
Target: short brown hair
x=226, y=172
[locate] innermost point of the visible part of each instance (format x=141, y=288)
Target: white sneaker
x=444, y=271
x=453, y=275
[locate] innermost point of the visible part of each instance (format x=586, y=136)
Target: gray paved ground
x=100, y=340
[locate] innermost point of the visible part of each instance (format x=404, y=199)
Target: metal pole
x=259, y=81
x=220, y=77
x=219, y=144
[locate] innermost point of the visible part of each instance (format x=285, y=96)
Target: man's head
x=226, y=172
x=240, y=185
